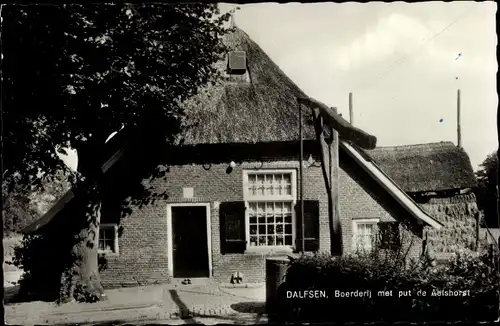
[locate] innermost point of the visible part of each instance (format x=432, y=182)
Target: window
x=270, y=198
x=270, y=224
x=108, y=238
x=389, y=235
x=269, y=186
x=364, y=235
x=237, y=62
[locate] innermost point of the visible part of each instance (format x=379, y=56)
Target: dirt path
x=166, y=304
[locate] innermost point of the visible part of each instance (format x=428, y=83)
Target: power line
x=421, y=47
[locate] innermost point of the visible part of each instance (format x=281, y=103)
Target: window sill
x=108, y=254
x=269, y=251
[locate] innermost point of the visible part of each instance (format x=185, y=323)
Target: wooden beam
x=329, y=157
x=345, y=130
x=318, y=126
x=333, y=149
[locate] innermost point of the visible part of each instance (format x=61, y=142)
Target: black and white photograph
x=249, y=163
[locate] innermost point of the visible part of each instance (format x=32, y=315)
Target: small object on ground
x=237, y=278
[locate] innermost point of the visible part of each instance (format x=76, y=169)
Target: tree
x=74, y=74
x=16, y=211
x=22, y=204
x=42, y=200
x=487, y=189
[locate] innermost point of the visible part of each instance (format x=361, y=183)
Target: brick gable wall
x=143, y=254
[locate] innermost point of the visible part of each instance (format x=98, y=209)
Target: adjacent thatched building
x=439, y=176
x=233, y=187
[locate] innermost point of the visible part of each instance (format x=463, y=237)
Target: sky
x=403, y=62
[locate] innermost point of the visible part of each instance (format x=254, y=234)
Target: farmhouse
x=231, y=191
x=438, y=176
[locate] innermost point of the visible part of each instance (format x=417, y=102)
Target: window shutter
x=232, y=227
x=389, y=235
x=311, y=224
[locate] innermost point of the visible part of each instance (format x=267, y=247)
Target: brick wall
x=360, y=198
x=143, y=254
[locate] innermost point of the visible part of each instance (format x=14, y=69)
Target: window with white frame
x=364, y=235
x=108, y=238
x=270, y=198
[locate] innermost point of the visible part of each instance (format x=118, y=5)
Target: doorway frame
x=170, y=253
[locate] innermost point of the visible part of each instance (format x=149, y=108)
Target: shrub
x=83, y=295
x=37, y=257
x=464, y=271
x=17, y=211
x=44, y=260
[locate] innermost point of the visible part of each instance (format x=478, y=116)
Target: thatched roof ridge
x=426, y=167
x=467, y=198
x=260, y=106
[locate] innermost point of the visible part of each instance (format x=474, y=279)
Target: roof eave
x=47, y=217
x=66, y=198
x=345, y=129
x=392, y=188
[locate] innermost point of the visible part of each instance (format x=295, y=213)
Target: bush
x=39, y=260
x=44, y=260
x=16, y=212
x=465, y=271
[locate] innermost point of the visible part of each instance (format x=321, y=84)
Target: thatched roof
x=426, y=167
x=260, y=106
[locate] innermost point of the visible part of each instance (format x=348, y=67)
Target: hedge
x=471, y=273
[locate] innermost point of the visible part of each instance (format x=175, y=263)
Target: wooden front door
x=190, y=247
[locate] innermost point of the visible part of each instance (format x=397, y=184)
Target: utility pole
x=459, y=130
x=351, y=112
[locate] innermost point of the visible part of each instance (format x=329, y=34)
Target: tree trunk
x=80, y=280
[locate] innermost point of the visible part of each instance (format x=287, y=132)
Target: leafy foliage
x=43, y=259
x=43, y=199
x=487, y=189
x=22, y=204
x=73, y=75
x=83, y=295
x=465, y=271
x=17, y=211
x=37, y=281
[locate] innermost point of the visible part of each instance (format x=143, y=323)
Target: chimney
x=351, y=112
x=459, y=130
x=232, y=23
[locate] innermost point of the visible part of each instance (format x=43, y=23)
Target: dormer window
x=237, y=63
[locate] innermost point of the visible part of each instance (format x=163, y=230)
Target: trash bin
x=275, y=276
